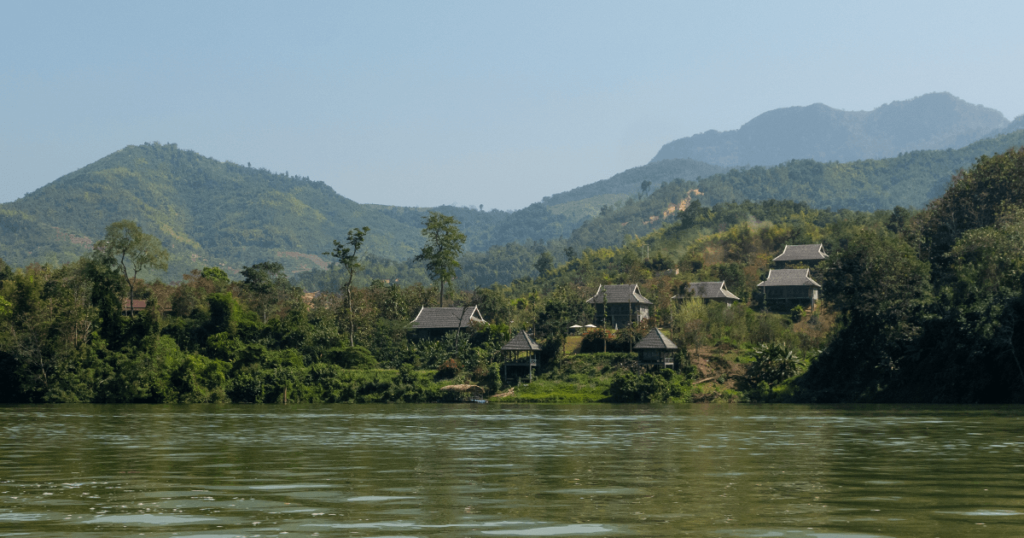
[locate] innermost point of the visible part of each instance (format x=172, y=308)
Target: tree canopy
x=443, y=248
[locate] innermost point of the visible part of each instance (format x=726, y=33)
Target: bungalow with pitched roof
x=516, y=347
x=433, y=322
x=656, y=348
x=807, y=254
x=625, y=304
x=790, y=286
x=708, y=291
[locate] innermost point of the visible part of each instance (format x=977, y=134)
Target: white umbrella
x=589, y=326
x=575, y=326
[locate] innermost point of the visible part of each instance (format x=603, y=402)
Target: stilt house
x=624, y=303
x=708, y=291
x=805, y=254
x=785, y=287
x=522, y=352
x=656, y=349
x=434, y=322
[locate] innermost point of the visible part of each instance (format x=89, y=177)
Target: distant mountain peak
x=820, y=132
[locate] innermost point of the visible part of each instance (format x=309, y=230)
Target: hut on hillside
x=522, y=353
x=656, y=349
x=624, y=302
x=805, y=254
x=708, y=291
x=785, y=287
x=434, y=322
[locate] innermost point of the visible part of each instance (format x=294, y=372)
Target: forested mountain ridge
x=908, y=180
x=629, y=182
x=556, y=216
x=206, y=212
x=822, y=133
x=213, y=213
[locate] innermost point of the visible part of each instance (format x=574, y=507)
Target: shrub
x=648, y=387
x=773, y=363
x=353, y=358
x=448, y=369
x=797, y=313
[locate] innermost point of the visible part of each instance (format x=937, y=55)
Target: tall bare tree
x=347, y=255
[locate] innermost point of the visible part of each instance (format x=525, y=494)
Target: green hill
x=205, y=212
x=213, y=213
x=908, y=180
x=208, y=212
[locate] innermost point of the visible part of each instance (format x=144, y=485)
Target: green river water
x=512, y=470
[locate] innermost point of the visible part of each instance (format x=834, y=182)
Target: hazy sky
x=468, y=103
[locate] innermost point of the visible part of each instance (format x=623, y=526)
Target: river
x=511, y=470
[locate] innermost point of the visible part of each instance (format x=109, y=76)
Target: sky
x=466, y=103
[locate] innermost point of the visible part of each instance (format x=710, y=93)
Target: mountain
x=909, y=180
x=587, y=201
x=213, y=213
x=1016, y=125
x=822, y=133
x=207, y=212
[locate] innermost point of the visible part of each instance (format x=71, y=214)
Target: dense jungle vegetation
x=919, y=306
x=201, y=210
x=909, y=180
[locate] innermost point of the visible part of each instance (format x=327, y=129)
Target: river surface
x=506, y=470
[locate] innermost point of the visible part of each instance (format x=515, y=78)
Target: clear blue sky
x=493, y=103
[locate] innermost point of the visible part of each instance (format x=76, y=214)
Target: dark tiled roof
x=707, y=290
x=789, y=277
x=521, y=342
x=801, y=253
x=619, y=294
x=449, y=317
x=655, y=340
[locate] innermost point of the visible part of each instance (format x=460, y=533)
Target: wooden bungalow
x=521, y=351
x=625, y=304
x=801, y=254
x=708, y=291
x=434, y=322
x=785, y=287
x=656, y=349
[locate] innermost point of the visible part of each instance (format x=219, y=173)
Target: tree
x=347, y=257
x=644, y=188
x=881, y=295
x=5, y=271
x=264, y=279
x=443, y=248
x=215, y=274
x=544, y=263
x=774, y=363
x=132, y=250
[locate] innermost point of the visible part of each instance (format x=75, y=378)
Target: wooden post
x=286, y=395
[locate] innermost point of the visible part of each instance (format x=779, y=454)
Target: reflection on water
x=417, y=471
